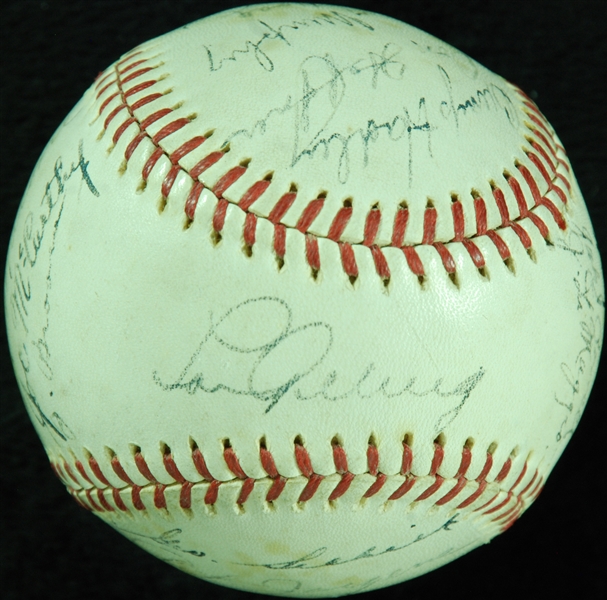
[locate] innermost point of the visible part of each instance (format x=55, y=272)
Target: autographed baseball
x=303, y=300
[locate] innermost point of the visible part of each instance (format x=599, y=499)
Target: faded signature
x=169, y=540
x=318, y=559
x=250, y=355
x=37, y=225
x=36, y=237
x=255, y=47
x=590, y=305
x=324, y=89
x=318, y=106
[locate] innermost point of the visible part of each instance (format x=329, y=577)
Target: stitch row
x=130, y=78
x=95, y=498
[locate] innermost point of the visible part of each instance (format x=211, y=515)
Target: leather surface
x=424, y=358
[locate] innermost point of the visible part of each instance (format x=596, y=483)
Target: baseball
x=304, y=301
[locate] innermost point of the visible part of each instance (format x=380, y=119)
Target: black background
x=51, y=51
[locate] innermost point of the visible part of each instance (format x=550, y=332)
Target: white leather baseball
x=304, y=301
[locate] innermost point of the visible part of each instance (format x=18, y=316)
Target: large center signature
x=254, y=350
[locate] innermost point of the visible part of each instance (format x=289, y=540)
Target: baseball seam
x=91, y=487
x=133, y=75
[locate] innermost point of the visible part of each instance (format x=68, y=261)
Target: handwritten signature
x=590, y=305
x=255, y=47
x=251, y=353
x=317, y=559
x=318, y=106
x=38, y=235
x=169, y=540
x=35, y=229
x=324, y=89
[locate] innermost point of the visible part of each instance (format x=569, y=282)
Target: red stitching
x=151, y=163
x=500, y=200
x=109, y=99
x=94, y=465
x=169, y=180
x=95, y=506
x=122, y=129
x=230, y=178
x=400, y=226
x=371, y=227
x=111, y=116
x=146, y=99
x=192, y=200
x=458, y=221
x=309, y=214
x=430, y=217
x=341, y=466
x=205, y=163
x=281, y=207
x=82, y=472
x=488, y=464
x=501, y=246
x=475, y=254
x=250, y=229
x=143, y=468
x=118, y=500
x=339, y=224
x=542, y=151
x=69, y=472
x=117, y=467
x=534, y=158
x=280, y=240
x=480, y=211
x=446, y=257
x=108, y=498
x=312, y=253
x=139, y=88
x=542, y=200
x=131, y=66
x=437, y=459
x=348, y=260
x=134, y=74
x=171, y=468
x=413, y=260
x=220, y=215
x=522, y=234
x=133, y=145
x=381, y=264
x=521, y=201
x=151, y=119
x=252, y=194
x=169, y=129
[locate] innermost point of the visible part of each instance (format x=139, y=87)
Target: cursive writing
x=577, y=373
x=259, y=349
x=169, y=540
x=36, y=239
x=256, y=47
x=324, y=86
x=316, y=336
x=317, y=559
x=326, y=91
x=491, y=98
x=37, y=224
